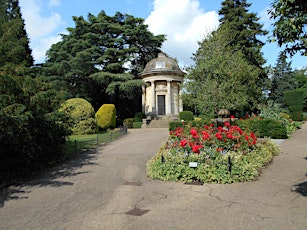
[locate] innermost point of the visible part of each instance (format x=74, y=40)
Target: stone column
x=168, y=109
x=153, y=99
x=180, y=99
x=144, y=99
x=176, y=99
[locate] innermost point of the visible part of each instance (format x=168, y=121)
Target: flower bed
x=219, y=154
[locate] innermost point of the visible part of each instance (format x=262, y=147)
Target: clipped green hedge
x=265, y=127
x=295, y=102
x=106, y=116
x=81, y=116
x=186, y=115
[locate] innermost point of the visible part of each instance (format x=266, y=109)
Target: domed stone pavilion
x=162, y=95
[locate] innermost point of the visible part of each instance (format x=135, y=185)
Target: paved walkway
x=97, y=191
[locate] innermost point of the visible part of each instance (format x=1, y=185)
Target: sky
x=184, y=22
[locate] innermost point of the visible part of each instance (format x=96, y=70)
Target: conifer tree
x=14, y=42
x=283, y=79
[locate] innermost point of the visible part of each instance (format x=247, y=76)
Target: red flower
x=227, y=124
x=196, y=148
x=232, y=116
x=229, y=135
x=220, y=149
x=183, y=143
x=219, y=136
x=194, y=133
x=205, y=135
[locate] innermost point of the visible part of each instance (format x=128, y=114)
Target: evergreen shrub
x=186, y=115
x=295, y=102
x=106, y=116
x=265, y=127
x=139, y=116
x=81, y=116
x=128, y=122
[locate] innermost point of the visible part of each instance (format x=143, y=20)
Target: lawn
x=78, y=143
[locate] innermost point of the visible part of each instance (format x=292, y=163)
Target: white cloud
x=54, y=3
x=265, y=18
x=40, y=27
x=184, y=24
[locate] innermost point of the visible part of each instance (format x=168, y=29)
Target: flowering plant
x=211, y=140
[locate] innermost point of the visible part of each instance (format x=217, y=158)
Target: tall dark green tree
x=31, y=132
x=100, y=57
x=247, y=32
x=283, y=79
x=290, y=24
x=14, y=42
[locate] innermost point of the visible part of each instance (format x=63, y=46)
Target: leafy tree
x=14, y=43
x=100, y=57
x=246, y=30
x=301, y=77
x=290, y=24
x=221, y=76
x=282, y=79
x=31, y=132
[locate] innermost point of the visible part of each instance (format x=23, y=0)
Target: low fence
x=87, y=142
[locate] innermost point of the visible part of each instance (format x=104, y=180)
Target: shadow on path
x=54, y=177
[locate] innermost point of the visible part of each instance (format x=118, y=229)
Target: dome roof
x=162, y=64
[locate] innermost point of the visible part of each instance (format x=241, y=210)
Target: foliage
x=282, y=80
x=81, y=116
x=290, y=25
x=221, y=76
x=14, y=43
x=106, y=116
x=128, y=122
x=186, y=115
x=295, y=102
x=213, y=149
x=100, y=57
x=266, y=127
x=31, y=131
x=139, y=116
x=245, y=31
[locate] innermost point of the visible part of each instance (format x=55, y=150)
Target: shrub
x=81, y=116
x=106, y=116
x=295, y=102
x=172, y=125
x=212, y=149
x=139, y=116
x=137, y=125
x=265, y=127
x=186, y=115
x=128, y=122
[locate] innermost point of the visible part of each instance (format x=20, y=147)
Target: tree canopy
x=14, y=42
x=290, y=25
x=221, y=76
x=283, y=79
x=100, y=57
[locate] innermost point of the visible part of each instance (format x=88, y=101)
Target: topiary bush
x=81, y=116
x=186, y=115
x=295, y=102
x=106, y=116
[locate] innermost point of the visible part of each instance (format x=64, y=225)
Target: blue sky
x=183, y=21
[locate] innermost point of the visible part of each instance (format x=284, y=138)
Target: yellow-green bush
x=106, y=116
x=81, y=116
